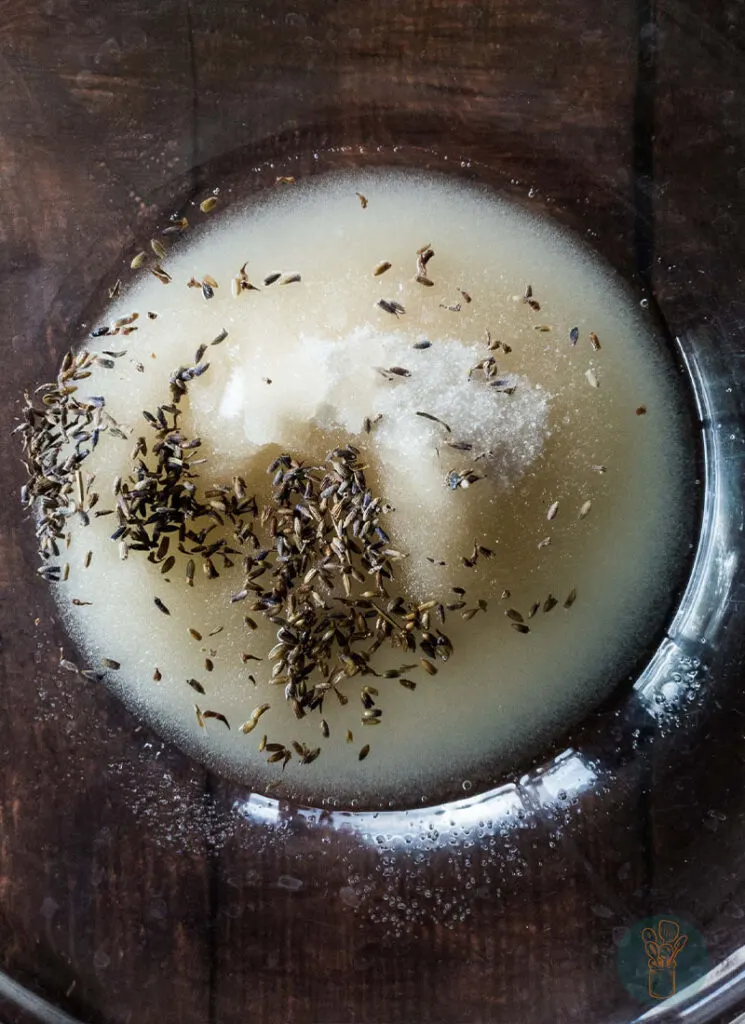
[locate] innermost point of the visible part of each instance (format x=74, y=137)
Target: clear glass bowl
x=134, y=885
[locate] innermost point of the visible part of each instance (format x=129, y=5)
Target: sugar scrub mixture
x=371, y=484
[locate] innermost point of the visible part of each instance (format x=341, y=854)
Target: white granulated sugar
x=506, y=430
x=332, y=382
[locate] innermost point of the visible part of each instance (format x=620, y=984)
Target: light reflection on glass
x=704, y=603
x=564, y=778
x=496, y=811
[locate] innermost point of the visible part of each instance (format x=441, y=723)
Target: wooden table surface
x=134, y=886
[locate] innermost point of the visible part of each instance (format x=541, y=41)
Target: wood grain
x=132, y=885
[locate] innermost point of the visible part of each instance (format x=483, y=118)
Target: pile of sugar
x=332, y=382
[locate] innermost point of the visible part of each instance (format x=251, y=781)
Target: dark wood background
x=131, y=888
